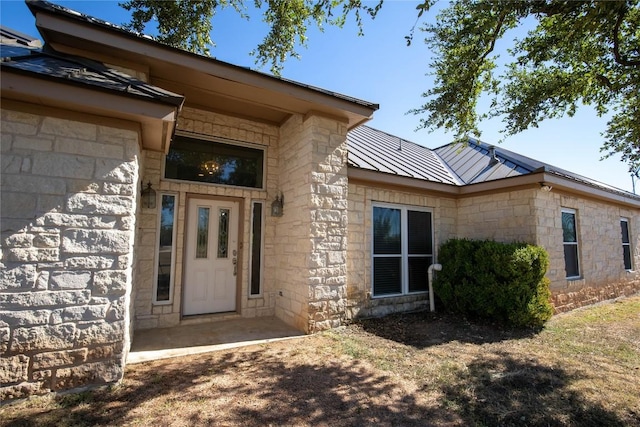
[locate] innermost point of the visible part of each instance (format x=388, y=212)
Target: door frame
x=239, y=277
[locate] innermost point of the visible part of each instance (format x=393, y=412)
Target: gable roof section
x=379, y=151
x=205, y=82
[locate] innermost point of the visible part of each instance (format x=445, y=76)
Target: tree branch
x=621, y=59
x=494, y=36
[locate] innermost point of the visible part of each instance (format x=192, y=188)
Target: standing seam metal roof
x=378, y=151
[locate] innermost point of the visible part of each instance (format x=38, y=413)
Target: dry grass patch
x=418, y=369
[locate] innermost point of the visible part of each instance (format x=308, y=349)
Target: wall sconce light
x=277, y=206
x=148, y=197
x=545, y=187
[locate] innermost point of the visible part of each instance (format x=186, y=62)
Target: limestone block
x=34, y=184
x=56, y=359
x=18, y=128
x=88, y=373
x=36, y=143
x=118, y=189
x=116, y=311
x=14, y=369
x=30, y=300
x=73, y=129
x=86, y=148
x=100, y=333
x=104, y=352
x=61, y=280
x=43, y=376
x=63, y=165
x=90, y=262
x=98, y=204
x=116, y=171
x=49, y=337
x=20, y=277
x=336, y=257
x=109, y=282
x=31, y=255
x=10, y=164
x=25, y=317
x=79, y=314
x=42, y=283
x=21, y=390
x=76, y=221
x=46, y=240
x=95, y=241
x=5, y=334
x=16, y=205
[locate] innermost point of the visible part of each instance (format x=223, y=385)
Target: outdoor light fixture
x=148, y=197
x=545, y=187
x=277, y=206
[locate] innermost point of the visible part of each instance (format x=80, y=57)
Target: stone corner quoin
x=68, y=215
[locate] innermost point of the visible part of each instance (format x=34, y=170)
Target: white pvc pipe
x=436, y=267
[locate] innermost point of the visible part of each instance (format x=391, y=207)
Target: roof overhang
x=157, y=120
x=532, y=180
x=205, y=82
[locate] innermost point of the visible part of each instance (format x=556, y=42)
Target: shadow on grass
x=270, y=391
x=425, y=329
x=500, y=390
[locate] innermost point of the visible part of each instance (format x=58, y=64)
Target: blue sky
x=380, y=68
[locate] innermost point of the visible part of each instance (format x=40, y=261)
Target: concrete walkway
x=154, y=344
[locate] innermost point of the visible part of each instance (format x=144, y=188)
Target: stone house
x=148, y=187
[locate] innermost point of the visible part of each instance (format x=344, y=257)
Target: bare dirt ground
x=420, y=369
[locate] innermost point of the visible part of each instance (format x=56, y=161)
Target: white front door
x=211, y=256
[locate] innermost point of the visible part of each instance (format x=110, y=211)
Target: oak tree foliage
x=577, y=52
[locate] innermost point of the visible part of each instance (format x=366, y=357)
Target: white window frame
x=404, y=242
x=220, y=140
x=622, y=219
x=262, y=219
x=157, y=249
x=576, y=243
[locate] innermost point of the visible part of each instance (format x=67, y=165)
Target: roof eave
x=156, y=119
x=59, y=27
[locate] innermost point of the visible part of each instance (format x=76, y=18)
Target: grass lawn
x=421, y=369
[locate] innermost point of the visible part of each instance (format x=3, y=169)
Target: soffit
x=203, y=81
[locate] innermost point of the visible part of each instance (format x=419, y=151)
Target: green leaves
x=579, y=52
x=188, y=24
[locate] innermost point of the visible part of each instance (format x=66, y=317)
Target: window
x=626, y=243
x=166, y=249
x=215, y=162
x=256, y=249
x=570, y=243
x=402, y=249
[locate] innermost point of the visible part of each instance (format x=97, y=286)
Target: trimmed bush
x=499, y=281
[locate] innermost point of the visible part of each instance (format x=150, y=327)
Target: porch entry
x=211, y=256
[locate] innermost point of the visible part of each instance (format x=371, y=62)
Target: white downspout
x=436, y=267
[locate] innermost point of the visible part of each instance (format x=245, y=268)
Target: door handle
x=235, y=266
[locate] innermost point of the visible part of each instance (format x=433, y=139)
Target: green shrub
x=500, y=281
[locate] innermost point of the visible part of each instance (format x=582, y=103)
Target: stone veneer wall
x=311, y=238
x=504, y=217
x=209, y=124
x=68, y=220
x=361, y=197
x=602, y=270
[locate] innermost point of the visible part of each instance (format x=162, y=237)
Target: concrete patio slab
x=154, y=344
